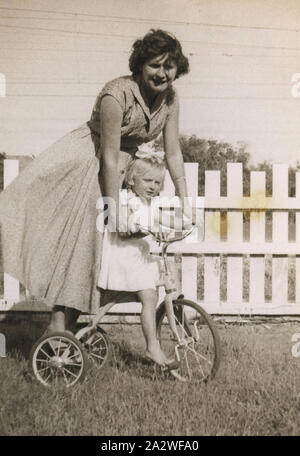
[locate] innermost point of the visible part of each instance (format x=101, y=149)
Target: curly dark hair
x=155, y=43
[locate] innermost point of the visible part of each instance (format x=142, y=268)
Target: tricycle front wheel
x=199, y=350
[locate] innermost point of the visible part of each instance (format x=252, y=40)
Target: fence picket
x=234, y=281
x=280, y=184
x=212, y=274
x=212, y=218
x=257, y=218
x=279, y=280
x=297, y=182
x=234, y=263
x=235, y=182
x=189, y=284
x=297, y=291
x=256, y=281
x=297, y=227
x=280, y=227
x=212, y=185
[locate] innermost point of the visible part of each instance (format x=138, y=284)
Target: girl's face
x=158, y=73
x=148, y=184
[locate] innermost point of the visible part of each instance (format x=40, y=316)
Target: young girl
x=127, y=265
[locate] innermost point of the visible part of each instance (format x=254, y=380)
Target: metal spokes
x=198, y=349
x=97, y=346
x=58, y=359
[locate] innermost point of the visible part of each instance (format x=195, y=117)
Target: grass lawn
x=256, y=391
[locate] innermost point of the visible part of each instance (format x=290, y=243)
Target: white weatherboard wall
x=245, y=260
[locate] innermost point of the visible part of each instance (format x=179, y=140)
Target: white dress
x=127, y=264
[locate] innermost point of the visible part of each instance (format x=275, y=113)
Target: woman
x=48, y=214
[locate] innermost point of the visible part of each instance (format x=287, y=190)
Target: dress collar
x=158, y=103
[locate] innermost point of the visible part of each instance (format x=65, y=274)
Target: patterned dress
x=48, y=214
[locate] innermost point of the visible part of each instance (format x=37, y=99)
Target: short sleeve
x=114, y=88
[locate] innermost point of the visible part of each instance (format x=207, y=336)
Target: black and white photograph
x=149, y=221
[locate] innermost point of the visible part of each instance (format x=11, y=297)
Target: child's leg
x=149, y=300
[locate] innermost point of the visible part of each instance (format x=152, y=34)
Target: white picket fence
x=234, y=275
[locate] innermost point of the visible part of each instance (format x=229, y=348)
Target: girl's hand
x=128, y=227
x=122, y=229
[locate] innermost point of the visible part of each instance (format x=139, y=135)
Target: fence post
x=11, y=285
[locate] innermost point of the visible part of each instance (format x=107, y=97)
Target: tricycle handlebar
x=160, y=236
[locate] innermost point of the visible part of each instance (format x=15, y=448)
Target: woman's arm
x=173, y=153
x=110, y=135
x=175, y=160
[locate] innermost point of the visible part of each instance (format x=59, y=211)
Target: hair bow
x=151, y=155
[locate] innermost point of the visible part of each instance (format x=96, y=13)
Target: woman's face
x=158, y=73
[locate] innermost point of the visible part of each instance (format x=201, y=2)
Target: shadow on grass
x=128, y=361
x=20, y=335
x=124, y=358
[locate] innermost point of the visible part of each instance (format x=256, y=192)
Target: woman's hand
x=189, y=213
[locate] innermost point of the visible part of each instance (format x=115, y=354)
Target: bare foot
x=157, y=355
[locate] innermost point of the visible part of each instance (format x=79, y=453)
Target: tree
x=211, y=155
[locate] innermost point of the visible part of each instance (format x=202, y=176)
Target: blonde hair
x=141, y=166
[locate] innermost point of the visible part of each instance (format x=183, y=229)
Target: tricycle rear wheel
x=58, y=358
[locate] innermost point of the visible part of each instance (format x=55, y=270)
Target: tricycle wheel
x=58, y=358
